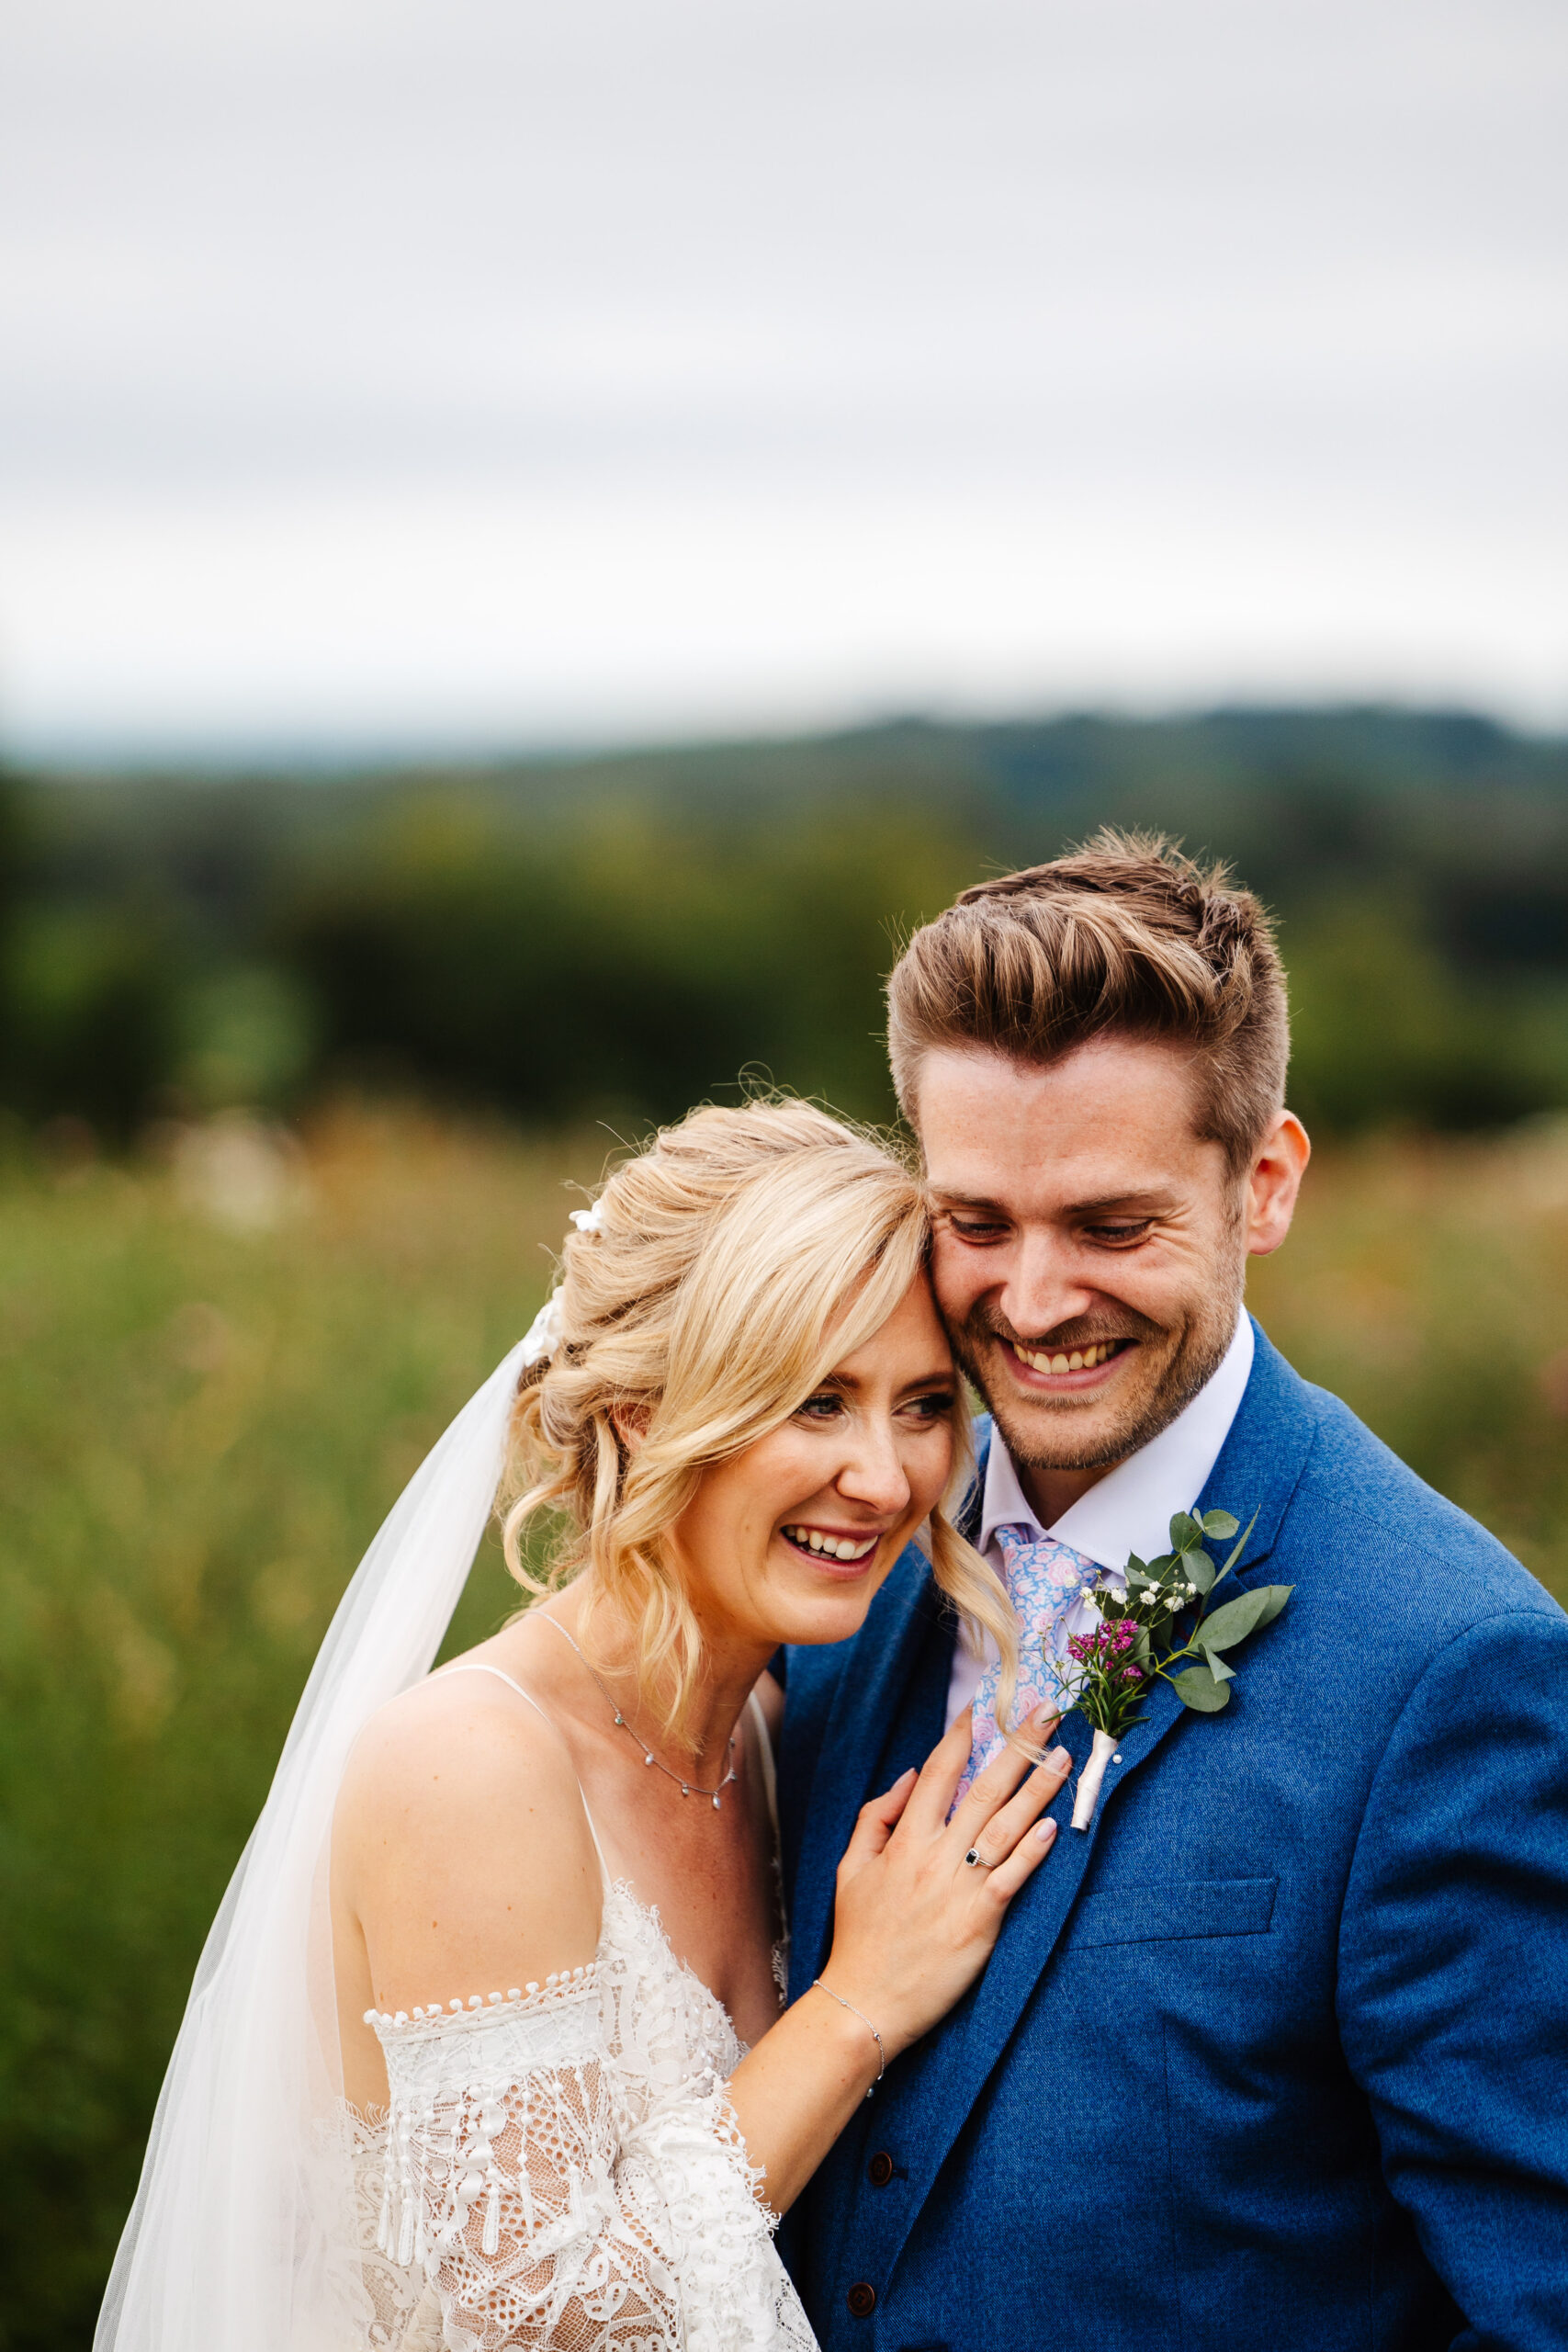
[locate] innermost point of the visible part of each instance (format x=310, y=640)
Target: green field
x=219, y=1364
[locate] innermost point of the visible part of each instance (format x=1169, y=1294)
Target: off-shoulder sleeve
x=544, y=2214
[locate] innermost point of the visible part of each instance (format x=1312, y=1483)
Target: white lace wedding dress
x=558, y=2166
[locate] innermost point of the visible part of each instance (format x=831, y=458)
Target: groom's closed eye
x=975, y=1229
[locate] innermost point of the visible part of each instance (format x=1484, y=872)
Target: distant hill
x=627, y=932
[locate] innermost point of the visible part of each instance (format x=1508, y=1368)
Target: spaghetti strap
x=765, y=1753
x=478, y=1666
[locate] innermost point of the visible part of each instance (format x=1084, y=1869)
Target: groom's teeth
x=1080, y=1359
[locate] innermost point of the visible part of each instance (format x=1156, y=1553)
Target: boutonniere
x=1114, y=1667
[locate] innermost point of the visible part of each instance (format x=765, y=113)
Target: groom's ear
x=1275, y=1180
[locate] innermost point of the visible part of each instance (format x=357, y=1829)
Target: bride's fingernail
x=1046, y=1831
x=1058, y=1760
x=1042, y=1716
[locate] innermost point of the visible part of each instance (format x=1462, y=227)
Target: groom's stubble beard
x=1063, y=1433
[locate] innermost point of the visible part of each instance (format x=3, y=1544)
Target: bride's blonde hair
x=729, y=1268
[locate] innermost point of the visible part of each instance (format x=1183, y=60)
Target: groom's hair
x=1125, y=937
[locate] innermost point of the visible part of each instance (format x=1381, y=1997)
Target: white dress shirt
x=1130, y=1509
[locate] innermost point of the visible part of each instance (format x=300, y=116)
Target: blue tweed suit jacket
x=1276, y=2055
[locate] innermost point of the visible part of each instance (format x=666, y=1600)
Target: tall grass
x=1426, y=1284
x=216, y=1372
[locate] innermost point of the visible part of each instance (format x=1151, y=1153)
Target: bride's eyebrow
x=845, y=1383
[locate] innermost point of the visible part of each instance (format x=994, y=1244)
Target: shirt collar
x=1131, y=1509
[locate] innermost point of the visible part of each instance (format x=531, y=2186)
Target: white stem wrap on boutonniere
x=1101, y=1748
x=1115, y=1665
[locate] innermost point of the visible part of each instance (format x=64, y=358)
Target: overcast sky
x=482, y=373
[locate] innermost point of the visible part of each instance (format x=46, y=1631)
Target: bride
x=486, y=2048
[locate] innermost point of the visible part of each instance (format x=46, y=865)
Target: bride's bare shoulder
x=460, y=1810
x=453, y=1739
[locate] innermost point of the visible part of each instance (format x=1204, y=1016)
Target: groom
x=1274, y=2057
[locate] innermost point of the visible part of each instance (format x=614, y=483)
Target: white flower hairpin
x=544, y=1333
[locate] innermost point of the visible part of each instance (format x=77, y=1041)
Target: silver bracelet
x=881, y=2053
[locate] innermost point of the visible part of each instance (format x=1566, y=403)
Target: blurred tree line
x=620, y=936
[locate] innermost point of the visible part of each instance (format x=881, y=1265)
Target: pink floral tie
x=1044, y=1581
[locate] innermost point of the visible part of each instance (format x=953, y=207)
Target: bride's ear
x=630, y=1424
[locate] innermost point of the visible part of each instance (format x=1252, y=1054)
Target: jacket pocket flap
x=1156, y=1912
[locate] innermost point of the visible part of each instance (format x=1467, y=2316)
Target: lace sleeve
x=545, y=2212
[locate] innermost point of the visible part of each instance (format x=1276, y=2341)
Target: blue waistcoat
x=1275, y=2057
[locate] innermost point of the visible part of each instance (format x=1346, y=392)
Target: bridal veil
x=244, y=2220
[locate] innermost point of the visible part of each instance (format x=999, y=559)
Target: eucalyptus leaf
x=1275, y=1595
x=1197, y=1689
x=1238, y=1548
x=1136, y=1567
x=1217, y=1666
x=1184, y=1532
x=1220, y=1525
x=1200, y=1570
x=1234, y=1619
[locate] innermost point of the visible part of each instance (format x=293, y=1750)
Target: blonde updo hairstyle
x=729, y=1268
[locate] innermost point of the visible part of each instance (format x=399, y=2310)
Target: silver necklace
x=687, y=1788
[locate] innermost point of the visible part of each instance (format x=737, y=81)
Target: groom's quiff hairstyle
x=1125, y=937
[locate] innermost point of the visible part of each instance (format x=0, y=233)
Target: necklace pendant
x=716, y=1804
x=647, y=1759
x=685, y=1791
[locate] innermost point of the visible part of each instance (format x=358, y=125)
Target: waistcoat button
x=879, y=2172
x=862, y=2300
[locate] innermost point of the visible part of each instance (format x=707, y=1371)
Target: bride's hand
x=914, y=1923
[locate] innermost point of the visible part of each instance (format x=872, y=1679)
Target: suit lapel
x=1260, y=1466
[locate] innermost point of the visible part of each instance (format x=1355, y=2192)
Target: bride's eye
x=936, y=1405
x=822, y=1407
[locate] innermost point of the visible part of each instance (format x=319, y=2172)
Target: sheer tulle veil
x=243, y=2221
